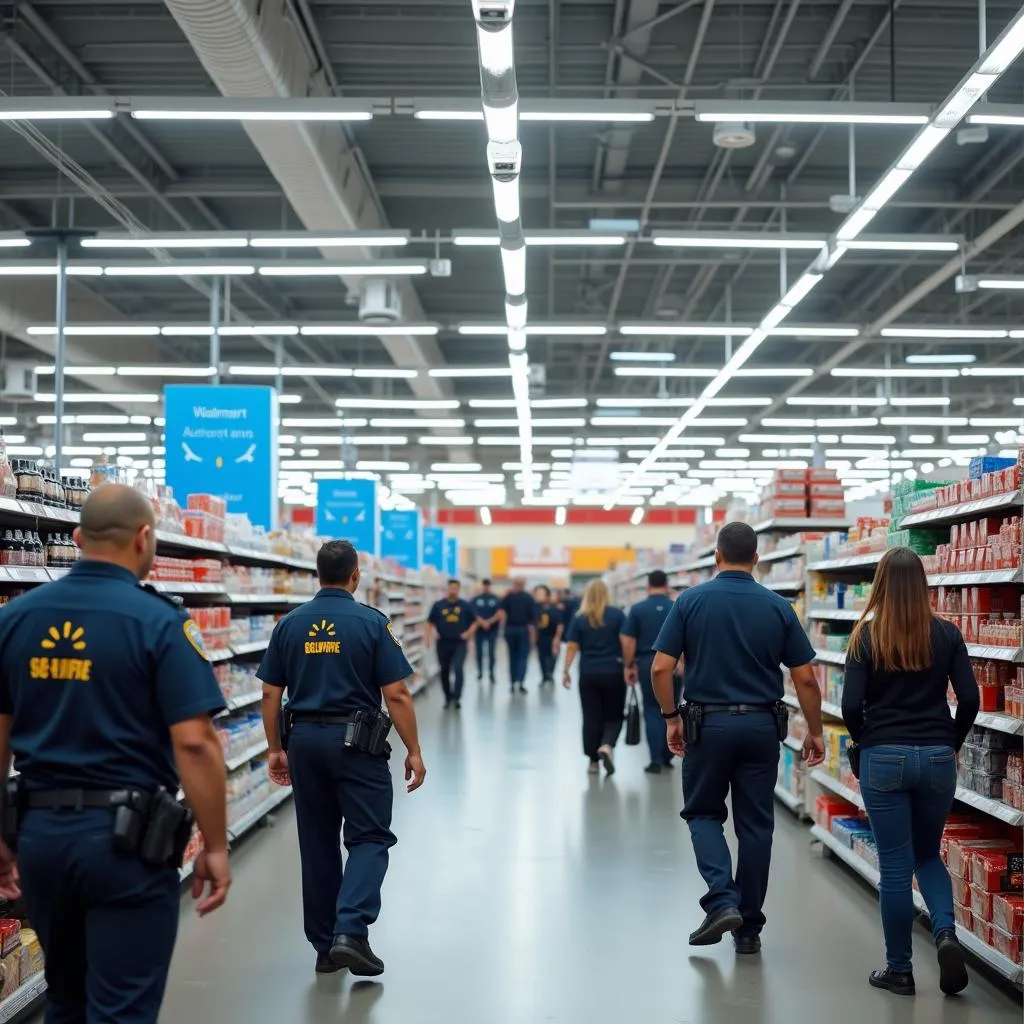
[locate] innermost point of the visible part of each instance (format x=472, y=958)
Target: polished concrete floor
x=524, y=891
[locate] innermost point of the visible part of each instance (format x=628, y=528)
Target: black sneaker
x=458, y=705
x=522, y=689
x=653, y=768
x=900, y=983
x=715, y=926
x=952, y=972
x=325, y=965
x=747, y=945
x=353, y=952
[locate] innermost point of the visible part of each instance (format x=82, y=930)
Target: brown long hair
x=897, y=623
x=595, y=603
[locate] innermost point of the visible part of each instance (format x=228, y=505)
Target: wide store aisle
x=524, y=891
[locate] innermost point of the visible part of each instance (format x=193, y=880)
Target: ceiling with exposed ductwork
x=674, y=249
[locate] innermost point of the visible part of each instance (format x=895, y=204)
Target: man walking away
x=519, y=613
x=454, y=622
x=732, y=634
x=487, y=609
x=549, y=633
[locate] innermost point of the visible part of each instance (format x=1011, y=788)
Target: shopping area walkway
x=523, y=891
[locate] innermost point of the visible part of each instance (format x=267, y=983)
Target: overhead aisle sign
x=348, y=510
x=222, y=439
x=434, y=550
x=401, y=537
x=452, y=557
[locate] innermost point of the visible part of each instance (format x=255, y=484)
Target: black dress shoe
x=715, y=926
x=747, y=945
x=653, y=768
x=458, y=705
x=900, y=983
x=952, y=972
x=353, y=952
x=325, y=965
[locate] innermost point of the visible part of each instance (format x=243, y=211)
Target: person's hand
x=631, y=675
x=814, y=751
x=674, y=735
x=566, y=679
x=211, y=869
x=415, y=772
x=467, y=634
x=556, y=649
x=277, y=768
x=9, y=879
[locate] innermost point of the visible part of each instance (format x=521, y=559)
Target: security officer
x=335, y=657
x=549, y=633
x=106, y=694
x=733, y=634
x=454, y=622
x=643, y=624
x=570, y=606
x=486, y=607
x=519, y=613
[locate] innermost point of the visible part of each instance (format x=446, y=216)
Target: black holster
x=367, y=731
x=154, y=827
x=12, y=811
x=781, y=713
x=693, y=722
x=284, y=726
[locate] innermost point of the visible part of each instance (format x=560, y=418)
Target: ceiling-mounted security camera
x=504, y=159
x=493, y=12
x=842, y=203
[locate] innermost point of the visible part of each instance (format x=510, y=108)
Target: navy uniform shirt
x=484, y=607
x=570, y=608
x=333, y=654
x=645, y=620
x=600, y=649
x=451, y=618
x=520, y=609
x=733, y=634
x=549, y=618
x=94, y=669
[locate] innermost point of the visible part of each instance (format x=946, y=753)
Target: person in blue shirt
x=487, y=609
x=105, y=689
x=732, y=635
x=643, y=624
x=336, y=658
x=454, y=622
x=594, y=636
x=549, y=633
x=519, y=614
x=570, y=607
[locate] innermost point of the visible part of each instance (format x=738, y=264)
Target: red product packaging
x=961, y=890
x=961, y=850
x=997, y=870
x=1008, y=912
x=815, y=473
x=10, y=935
x=1009, y=944
x=827, y=507
x=983, y=930
x=963, y=916
x=798, y=475
x=981, y=903
x=827, y=807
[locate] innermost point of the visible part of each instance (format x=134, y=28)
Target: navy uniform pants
x=654, y=724
x=518, y=640
x=738, y=753
x=339, y=791
x=452, y=656
x=106, y=921
x=546, y=656
x=485, y=639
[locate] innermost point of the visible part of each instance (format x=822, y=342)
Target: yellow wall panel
x=599, y=559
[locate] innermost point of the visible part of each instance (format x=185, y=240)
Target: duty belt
x=736, y=709
x=77, y=799
x=323, y=717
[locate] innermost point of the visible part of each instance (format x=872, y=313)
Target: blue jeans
x=908, y=792
x=738, y=753
x=654, y=724
x=485, y=640
x=518, y=640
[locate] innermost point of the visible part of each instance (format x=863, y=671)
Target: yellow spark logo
x=326, y=628
x=71, y=633
x=322, y=639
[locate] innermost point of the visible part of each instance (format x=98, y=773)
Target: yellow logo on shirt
x=452, y=614
x=66, y=638
x=317, y=645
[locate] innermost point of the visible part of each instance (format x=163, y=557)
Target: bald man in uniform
x=106, y=700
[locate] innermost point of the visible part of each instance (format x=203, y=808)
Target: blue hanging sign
x=452, y=553
x=222, y=439
x=401, y=537
x=434, y=547
x=348, y=510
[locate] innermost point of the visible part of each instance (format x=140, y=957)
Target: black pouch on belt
x=11, y=812
x=130, y=819
x=693, y=722
x=379, y=734
x=167, y=831
x=781, y=712
x=284, y=726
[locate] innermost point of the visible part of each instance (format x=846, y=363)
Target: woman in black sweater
x=895, y=705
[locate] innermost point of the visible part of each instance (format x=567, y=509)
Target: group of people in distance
x=538, y=620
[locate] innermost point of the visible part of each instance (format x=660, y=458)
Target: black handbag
x=853, y=756
x=632, y=719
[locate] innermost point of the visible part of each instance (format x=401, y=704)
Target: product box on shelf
x=827, y=807
x=997, y=870
x=31, y=954
x=1008, y=912
x=10, y=968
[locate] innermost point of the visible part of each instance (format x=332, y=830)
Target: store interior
x=543, y=290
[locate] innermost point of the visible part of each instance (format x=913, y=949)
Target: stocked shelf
x=798, y=525
x=784, y=586
x=827, y=707
x=247, y=755
x=282, y=599
x=23, y=998
x=793, y=743
x=864, y=561
x=829, y=782
x=966, y=510
x=836, y=614
x=706, y=562
x=968, y=579
x=832, y=657
x=999, y=723
x=780, y=554
x=254, y=816
x=253, y=647
x=794, y=803
x=1014, y=654
x=245, y=701
x=1003, y=965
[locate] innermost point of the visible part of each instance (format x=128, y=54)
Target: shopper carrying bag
x=632, y=719
x=900, y=659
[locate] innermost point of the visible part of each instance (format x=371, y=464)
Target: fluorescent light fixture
x=991, y=117
x=180, y=269
x=42, y=269
x=904, y=243
x=979, y=333
x=502, y=122
x=942, y=357
x=97, y=331
x=993, y=371
x=256, y=330
x=1004, y=283
x=922, y=439
x=326, y=240
x=184, y=240
x=187, y=331
x=589, y=116
x=812, y=112
x=559, y=403
x=632, y=421
x=968, y=439
x=637, y=516
x=380, y=268
x=385, y=374
x=289, y=399
x=783, y=439
x=456, y=467
x=871, y=372
x=289, y=371
x=14, y=241
x=679, y=330
x=868, y=439
x=553, y=329
x=516, y=340
x=369, y=440
x=397, y=403
x=167, y=370
x=356, y=330
x=78, y=371
x=552, y=421
x=495, y=44
x=890, y=183
x=737, y=240
x=560, y=516
x=844, y=400
x=513, y=265
x=506, y=199
x=485, y=515
x=430, y=439
x=223, y=108
x=463, y=371
x=642, y=357
x=813, y=331
x=996, y=421
x=56, y=108
x=95, y=396
x=414, y=421
x=321, y=421
x=854, y=224
x=126, y=436
x=382, y=467
x=921, y=401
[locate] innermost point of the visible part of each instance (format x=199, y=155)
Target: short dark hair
x=545, y=588
x=336, y=561
x=457, y=583
x=486, y=583
x=657, y=579
x=737, y=543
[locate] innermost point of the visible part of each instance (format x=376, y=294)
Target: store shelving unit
x=28, y=996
